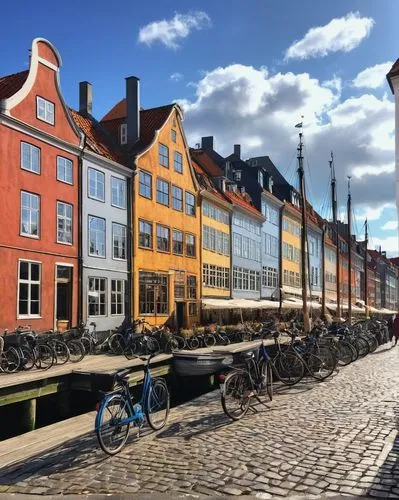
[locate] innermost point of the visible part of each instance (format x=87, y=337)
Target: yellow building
x=330, y=270
x=165, y=211
x=291, y=249
x=215, y=222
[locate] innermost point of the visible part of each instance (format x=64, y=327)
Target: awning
x=239, y=304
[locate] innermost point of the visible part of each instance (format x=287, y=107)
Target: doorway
x=63, y=307
x=179, y=312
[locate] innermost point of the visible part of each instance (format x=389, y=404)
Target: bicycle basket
x=12, y=340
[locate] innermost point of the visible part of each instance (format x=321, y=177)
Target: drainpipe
x=280, y=271
x=132, y=226
x=80, y=231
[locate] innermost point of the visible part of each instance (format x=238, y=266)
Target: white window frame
x=28, y=234
x=177, y=154
x=67, y=163
x=65, y=218
x=31, y=148
x=49, y=116
x=104, y=293
x=29, y=282
x=119, y=182
x=124, y=237
x=97, y=173
x=90, y=218
x=123, y=133
x=118, y=294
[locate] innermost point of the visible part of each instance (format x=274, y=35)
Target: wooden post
x=350, y=252
x=28, y=419
x=336, y=227
x=366, y=285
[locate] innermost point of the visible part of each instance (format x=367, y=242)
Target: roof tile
x=10, y=84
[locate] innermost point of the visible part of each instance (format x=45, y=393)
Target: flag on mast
x=299, y=125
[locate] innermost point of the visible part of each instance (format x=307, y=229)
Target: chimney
x=133, y=110
x=85, y=98
x=237, y=150
x=207, y=142
x=383, y=253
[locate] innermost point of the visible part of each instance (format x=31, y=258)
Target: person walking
x=396, y=329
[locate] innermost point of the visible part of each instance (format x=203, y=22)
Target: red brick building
x=39, y=151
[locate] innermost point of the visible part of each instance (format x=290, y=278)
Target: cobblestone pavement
x=336, y=437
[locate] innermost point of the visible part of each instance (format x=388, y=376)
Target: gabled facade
x=314, y=248
x=39, y=203
x=105, y=215
x=291, y=249
x=330, y=269
x=166, y=216
x=216, y=215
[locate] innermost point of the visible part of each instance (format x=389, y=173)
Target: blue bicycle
x=117, y=411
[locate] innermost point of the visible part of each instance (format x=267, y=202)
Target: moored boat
x=192, y=364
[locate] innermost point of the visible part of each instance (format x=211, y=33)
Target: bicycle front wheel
x=288, y=367
x=113, y=423
x=117, y=343
x=158, y=404
x=76, y=350
x=267, y=378
x=236, y=395
x=320, y=364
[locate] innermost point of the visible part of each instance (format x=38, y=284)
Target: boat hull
x=192, y=365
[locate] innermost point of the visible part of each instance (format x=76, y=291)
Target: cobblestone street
x=332, y=437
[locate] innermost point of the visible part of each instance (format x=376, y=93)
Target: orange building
x=165, y=210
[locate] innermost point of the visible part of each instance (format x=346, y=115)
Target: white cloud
x=176, y=77
x=390, y=225
x=170, y=32
x=372, y=213
x=390, y=245
x=251, y=106
x=340, y=34
x=373, y=77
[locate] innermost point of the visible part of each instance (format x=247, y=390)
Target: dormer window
x=45, y=110
x=237, y=175
x=271, y=184
x=123, y=133
x=260, y=177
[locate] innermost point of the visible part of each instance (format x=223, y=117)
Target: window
x=190, y=245
x=30, y=157
x=64, y=223
x=180, y=288
x=96, y=184
x=30, y=214
x=145, y=234
x=96, y=236
x=192, y=287
x=117, y=297
x=178, y=162
x=97, y=297
x=64, y=170
x=177, y=198
x=237, y=175
x=145, y=184
x=163, y=238
x=173, y=135
x=246, y=279
x=118, y=241
x=215, y=213
x=269, y=277
x=163, y=155
x=153, y=293
x=190, y=204
x=123, y=133
x=118, y=192
x=177, y=242
x=215, y=240
x=45, y=110
x=29, y=288
x=192, y=309
x=260, y=177
x=163, y=192
x=215, y=276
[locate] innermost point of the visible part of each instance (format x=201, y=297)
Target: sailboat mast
x=350, y=252
x=366, y=302
x=336, y=230
x=301, y=176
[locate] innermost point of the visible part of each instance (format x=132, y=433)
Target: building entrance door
x=179, y=314
x=63, y=306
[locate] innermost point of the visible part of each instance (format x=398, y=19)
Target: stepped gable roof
x=97, y=137
x=151, y=120
x=206, y=182
x=207, y=162
x=10, y=84
x=242, y=201
x=394, y=71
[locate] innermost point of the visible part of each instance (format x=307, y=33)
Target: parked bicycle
x=117, y=411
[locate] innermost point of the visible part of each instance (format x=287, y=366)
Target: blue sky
x=224, y=86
